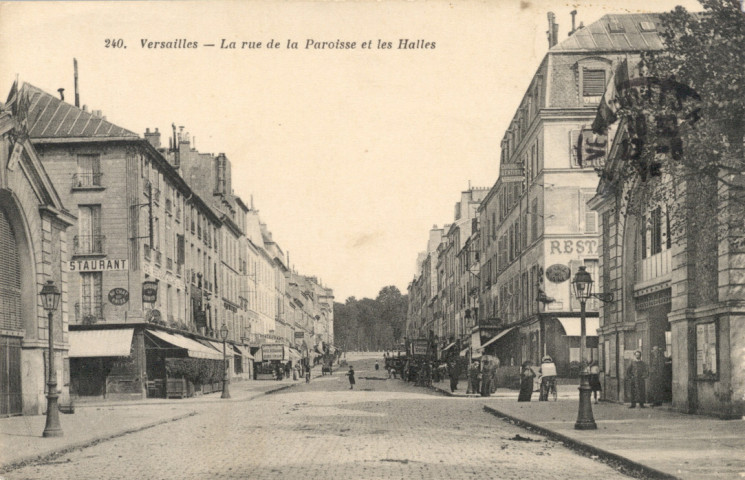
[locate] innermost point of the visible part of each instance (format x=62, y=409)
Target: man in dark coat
x=636, y=374
x=453, y=374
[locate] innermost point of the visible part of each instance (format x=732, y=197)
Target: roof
x=615, y=32
x=50, y=117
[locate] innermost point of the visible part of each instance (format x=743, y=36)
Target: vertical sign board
x=272, y=351
x=420, y=346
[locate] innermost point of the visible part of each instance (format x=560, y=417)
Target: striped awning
x=495, y=338
x=194, y=348
x=100, y=343
x=243, y=351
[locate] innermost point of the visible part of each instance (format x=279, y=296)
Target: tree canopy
x=369, y=324
x=684, y=116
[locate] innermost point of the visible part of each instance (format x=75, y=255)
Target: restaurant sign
x=98, y=265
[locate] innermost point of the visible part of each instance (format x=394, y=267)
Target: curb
x=622, y=464
x=38, y=458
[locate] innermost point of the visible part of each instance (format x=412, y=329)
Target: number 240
x=114, y=43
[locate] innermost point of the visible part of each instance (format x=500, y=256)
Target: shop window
x=706, y=350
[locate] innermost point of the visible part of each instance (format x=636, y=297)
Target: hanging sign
x=118, y=296
x=149, y=292
x=558, y=273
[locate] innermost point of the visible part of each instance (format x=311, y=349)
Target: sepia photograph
x=372, y=239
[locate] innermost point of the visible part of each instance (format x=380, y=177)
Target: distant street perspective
x=382, y=429
x=415, y=240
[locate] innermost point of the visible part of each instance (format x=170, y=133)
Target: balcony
x=83, y=181
x=654, y=267
x=89, y=245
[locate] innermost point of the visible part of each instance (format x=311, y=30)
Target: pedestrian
x=548, y=377
x=453, y=374
x=595, y=386
x=350, y=374
x=377, y=367
x=636, y=373
x=526, y=382
x=474, y=374
x=656, y=372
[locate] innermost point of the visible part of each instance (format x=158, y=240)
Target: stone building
x=678, y=290
x=137, y=222
x=35, y=239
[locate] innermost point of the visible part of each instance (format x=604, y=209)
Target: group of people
x=482, y=376
x=547, y=375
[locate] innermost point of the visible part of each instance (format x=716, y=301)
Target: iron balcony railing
x=89, y=244
x=86, y=180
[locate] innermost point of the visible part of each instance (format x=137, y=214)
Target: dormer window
x=614, y=26
x=647, y=26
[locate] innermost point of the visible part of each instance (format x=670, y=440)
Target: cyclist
x=548, y=378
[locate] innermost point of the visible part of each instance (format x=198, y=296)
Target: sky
x=351, y=155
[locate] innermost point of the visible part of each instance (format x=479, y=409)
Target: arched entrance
x=11, y=320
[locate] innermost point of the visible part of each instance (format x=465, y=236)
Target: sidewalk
x=676, y=445
x=21, y=438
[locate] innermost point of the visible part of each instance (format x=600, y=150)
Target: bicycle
x=548, y=387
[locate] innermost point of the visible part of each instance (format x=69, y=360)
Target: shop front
x=106, y=363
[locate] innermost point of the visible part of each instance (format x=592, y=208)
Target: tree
x=682, y=112
x=368, y=324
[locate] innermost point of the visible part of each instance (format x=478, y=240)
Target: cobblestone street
x=381, y=429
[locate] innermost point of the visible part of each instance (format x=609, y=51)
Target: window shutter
x=593, y=83
x=591, y=217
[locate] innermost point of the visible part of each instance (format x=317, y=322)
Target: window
x=89, y=172
x=652, y=233
x=89, y=240
x=593, y=85
x=91, y=294
x=647, y=26
x=706, y=350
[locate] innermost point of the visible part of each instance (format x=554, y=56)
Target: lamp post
x=225, y=377
x=50, y=295
x=582, y=284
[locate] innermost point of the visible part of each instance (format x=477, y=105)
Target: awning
x=194, y=348
x=573, y=326
x=294, y=354
x=217, y=346
x=497, y=337
x=464, y=352
x=100, y=343
x=448, y=347
x=243, y=351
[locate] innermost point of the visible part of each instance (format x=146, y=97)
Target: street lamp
x=582, y=284
x=50, y=299
x=225, y=378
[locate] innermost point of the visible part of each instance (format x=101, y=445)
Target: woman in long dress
x=526, y=382
x=350, y=374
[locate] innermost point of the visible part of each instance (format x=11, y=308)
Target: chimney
x=61, y=94
x=77, y=93
x=153, y=137
x=553, y=30
x=573, y=13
